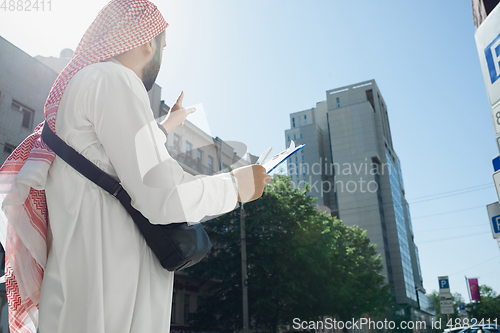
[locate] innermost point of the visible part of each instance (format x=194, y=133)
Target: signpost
x=494, y=216
x=445, y=298
x=495, y=113
x=444, y=285
x=488, y=47
x=488, y=43
x=463, y=311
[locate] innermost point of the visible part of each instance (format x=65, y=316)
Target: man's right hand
x=251, y=182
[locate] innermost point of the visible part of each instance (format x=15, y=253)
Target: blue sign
x=495, y=222
x=496, y=163
x=461, y=306
x=444, y=283
x=492, y=54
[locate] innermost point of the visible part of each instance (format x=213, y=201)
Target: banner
x=474, y=290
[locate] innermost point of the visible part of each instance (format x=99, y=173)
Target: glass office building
x=360, y=180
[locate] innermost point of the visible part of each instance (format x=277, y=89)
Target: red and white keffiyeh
x=120, y=26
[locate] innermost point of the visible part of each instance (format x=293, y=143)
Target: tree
x=488, y=308
x=444, y=319
x=302, y=263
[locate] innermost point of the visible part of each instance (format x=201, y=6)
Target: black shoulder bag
x=176, y=245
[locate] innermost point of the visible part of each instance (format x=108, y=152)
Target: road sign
x=488, y=47
x=495, y=113
x=445, y=296
x=496, y=163
x=494, y=216
x=444, y=284
x=446, y=303
x=461, y=307
x=496, y=180
x=447, y=310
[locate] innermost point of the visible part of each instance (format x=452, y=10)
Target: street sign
x=447, y=310
x=488, y=47
x=495, y=113
x=445, y=296
x=461, y=307
x=496, y=163
x=446, y=303
x=494, y=216
x=496, y=180
x=444, y=284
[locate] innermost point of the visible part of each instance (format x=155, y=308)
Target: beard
x=149, y=74
x=150, y=71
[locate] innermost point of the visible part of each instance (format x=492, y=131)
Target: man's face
x=150, y=71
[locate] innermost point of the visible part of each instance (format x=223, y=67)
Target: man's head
x=145, y=60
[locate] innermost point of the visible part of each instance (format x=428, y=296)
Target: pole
x=244, y=277
x=470, y=299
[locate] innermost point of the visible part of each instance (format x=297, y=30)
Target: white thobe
x=101, y=276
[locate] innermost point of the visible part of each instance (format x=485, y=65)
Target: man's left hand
x=177, y=115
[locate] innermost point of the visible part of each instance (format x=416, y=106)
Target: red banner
x=474, y=290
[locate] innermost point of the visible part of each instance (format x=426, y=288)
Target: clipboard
x=277, y=159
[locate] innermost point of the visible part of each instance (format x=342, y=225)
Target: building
x=25, y=83
x=481, y=9
x=355, y=174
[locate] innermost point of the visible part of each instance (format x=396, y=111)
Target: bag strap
x=80, y=163
x=88, y=169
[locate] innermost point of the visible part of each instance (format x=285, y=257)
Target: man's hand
x=251, y=182
x=177, y=115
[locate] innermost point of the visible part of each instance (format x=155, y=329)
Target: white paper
x=279, y=158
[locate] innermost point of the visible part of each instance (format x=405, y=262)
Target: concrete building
x=354, y=172
x=25, y=83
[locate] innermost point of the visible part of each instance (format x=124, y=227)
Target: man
x=88, y=269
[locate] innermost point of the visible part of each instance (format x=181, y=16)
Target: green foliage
x=444, y=319
x=488, y=307
x=302, y=263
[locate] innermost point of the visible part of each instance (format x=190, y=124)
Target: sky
x=252, y=63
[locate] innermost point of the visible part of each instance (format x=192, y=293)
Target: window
x=27, y=114
x=172, y=317
x=301, y=135
x=289, y=138
x=199, y=155
x=294, y=137
x=210, y=166
x=305, y=119
x=8, y=148
x=293, y=122
x=188, y=149
x=302, y=158
x=186, y=308
x=369, y=97
x=338, y=102
x=303, y=170
x=177, y=142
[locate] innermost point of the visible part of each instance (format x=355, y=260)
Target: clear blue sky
x=252, y=63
